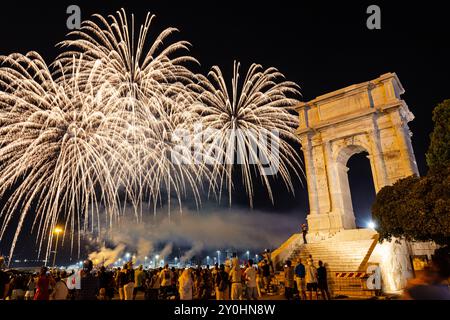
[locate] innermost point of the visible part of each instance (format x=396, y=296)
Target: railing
x=350, y=283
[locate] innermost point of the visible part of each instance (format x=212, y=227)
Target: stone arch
x=347, y=151
x=343, y=200
x=369, y=117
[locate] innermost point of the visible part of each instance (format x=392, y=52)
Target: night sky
x=322, y=47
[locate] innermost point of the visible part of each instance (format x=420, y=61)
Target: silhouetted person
x=4, y=281
x=322, y=281
x=152, y=284
x=289, y=280
x=434, y=284
x=266, y=275
x=304, y=232
x=89, y=284
x=222, y=283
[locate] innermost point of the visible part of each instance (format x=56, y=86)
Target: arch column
x=317, y=182
x=404, y=142
x=310, y=174
x=377, y=163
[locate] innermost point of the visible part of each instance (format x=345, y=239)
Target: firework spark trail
x=97, y=131
x=259, y=106
x=127, y=65
x=61, y=142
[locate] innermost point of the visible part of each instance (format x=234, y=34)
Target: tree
x=438, y=154
x=419, y=208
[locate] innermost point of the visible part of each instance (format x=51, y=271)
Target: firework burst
x=63, y=146
x=246, y=120
x=154, y=84
x=98, y=130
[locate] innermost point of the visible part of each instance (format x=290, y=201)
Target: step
x=347, y=251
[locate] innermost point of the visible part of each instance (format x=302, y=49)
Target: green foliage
x=419, y=208
x=438, y=154
x=392, y=208
x=415, y=208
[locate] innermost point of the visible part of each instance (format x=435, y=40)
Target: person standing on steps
x=304, y=232
x=289, y=280
x=322, y=281
x=311, y=279
x=300, y=279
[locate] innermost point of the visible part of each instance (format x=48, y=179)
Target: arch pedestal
x=370, y=117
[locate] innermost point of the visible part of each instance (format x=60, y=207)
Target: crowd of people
x=229, y=281
x=222, y=282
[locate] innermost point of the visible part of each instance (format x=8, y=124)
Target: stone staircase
x=340, y=256
x=346, y=252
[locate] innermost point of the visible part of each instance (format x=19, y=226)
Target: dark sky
x=322, y=47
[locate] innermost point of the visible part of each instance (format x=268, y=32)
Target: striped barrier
x=351, y=274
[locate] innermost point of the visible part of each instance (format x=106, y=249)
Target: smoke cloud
x=106, y=256
x=166, y=251
x=240, y=230
x=196, y=248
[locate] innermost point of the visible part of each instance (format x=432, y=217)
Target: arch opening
x=355, y=185
x=362, y=188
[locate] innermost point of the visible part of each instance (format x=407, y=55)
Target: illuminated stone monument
x=367, y=117
x=370, y=117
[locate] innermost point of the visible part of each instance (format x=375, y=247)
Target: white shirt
x=185, y=289
x=166, y=277
x=235, y=275
x=60, y=291
x=311, y=274
x=250, y=274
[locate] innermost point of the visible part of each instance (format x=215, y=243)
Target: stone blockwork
x=369, y=116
